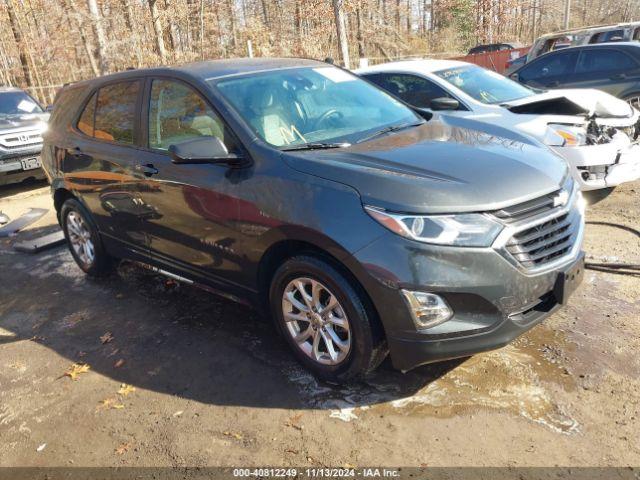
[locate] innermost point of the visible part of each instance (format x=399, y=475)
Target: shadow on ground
x=138, y=328
x=22, y=187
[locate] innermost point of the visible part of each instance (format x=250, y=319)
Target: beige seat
x=272, y=119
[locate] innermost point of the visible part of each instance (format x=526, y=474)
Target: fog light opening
x=427, y=309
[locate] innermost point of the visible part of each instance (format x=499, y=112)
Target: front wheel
x=325, y=319
x=84, y=240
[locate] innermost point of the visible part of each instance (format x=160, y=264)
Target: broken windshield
x=484, y=85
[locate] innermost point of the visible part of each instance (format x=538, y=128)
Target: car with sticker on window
x=22, y=122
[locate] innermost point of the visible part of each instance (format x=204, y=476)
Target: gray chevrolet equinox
x=363, y=227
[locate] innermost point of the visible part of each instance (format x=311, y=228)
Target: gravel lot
x=178, y=377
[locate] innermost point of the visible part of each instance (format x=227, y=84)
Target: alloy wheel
x=80, y=238
x=316, y=321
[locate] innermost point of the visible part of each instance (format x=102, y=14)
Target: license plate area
x=568, y=281
x=30, y=163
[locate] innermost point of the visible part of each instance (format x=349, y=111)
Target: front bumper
x=601, y=166
x=493, y=298
x=11, y=170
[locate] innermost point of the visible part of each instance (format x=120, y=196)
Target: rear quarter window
x=115, y=112
x=110, y=113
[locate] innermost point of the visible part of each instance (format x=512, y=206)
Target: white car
x=596, y=133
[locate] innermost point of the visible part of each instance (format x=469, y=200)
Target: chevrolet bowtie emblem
x=561, y=199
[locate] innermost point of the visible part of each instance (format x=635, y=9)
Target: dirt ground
x=178, y=377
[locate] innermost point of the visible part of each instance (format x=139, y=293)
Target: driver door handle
x=146, y=168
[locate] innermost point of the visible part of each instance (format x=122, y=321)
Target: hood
x=573, y=102
x=22, y=122
x=451, y=165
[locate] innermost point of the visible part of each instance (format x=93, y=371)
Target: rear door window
x=562, y=63
x=604, y=60
x=610, y=36
x=110, y=114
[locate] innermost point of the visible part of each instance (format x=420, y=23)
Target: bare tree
x=341, y=31
x=20, y=44
x=96, y=20
x=157, y=30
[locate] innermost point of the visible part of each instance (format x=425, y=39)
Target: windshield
x=17, y=103
x=484, y=85
x=305, y=105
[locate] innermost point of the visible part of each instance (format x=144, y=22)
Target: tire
x=366, y=346
x=87, y=251
x=594, y=196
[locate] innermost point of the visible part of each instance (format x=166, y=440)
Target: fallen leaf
x=126, y=389
x=71, y=320
x=291, y=450
x=110, y=403
x=293, y=422
x=18, y=365
x=237, y=436
x=178, y=413
x=122, y=449
x=119, y=363
x=113, y=352
x=41, y=447
x=106, y=338
x=76, y=369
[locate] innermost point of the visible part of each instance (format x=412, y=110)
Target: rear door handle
x=619, y=76
x=147, y=169
x=554, y=83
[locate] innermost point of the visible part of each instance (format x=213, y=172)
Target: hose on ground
x=618, y=268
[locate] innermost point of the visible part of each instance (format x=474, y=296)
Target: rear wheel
x=325, y=319
x=84, y=240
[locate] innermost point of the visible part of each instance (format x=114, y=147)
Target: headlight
x=464, y=230
x=566, y=136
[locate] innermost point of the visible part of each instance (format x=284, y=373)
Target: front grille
x=16, y=141
x=526, y=210
x=542, y=230
x=547, y=241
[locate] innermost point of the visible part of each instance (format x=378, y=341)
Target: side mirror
x=515, y=77
x=424, y=113
x=445, y=103
x=203, y=150
x=48, y=109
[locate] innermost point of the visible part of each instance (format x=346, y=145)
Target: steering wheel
x=332, y=112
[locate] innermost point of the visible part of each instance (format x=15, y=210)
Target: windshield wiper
x=315, y=146
x=389, y=129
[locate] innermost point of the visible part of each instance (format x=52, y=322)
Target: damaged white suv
x=596, y=133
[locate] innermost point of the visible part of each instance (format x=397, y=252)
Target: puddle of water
x=513, y=379
x=505, y=380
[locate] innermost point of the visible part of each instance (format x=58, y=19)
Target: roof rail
x=588, y=27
